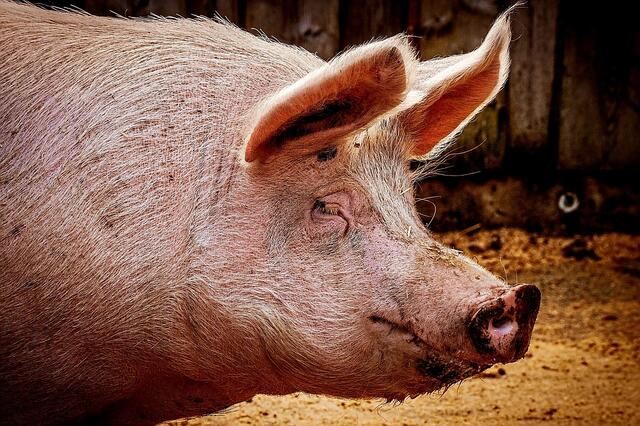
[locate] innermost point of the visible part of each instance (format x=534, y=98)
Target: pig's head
x=337, y=287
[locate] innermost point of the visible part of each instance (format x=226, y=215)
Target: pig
x=191, y=215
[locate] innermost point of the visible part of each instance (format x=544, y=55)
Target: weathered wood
x=377, y=18
x=228, y=9
x=531, y=78
x=168, y=7
x=599, y=110
x=573, y=99
x=306, y=23
x=453, y=27
x=266, y=16
x=109, y=7
x=316, y=27
x=201, y=7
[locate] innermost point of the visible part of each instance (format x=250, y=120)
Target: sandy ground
x=583, y=365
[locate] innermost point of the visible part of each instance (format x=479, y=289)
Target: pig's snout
x=501, y=328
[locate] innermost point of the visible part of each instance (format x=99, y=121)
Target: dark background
x=558, y=150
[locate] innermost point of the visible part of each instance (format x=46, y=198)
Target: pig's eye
x=327, y=209
x=331, y=213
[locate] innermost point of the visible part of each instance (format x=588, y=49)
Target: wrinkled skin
x=190, y=216
x=413, y=295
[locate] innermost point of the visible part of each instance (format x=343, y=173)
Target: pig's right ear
x=455, y=90
x=333, y=101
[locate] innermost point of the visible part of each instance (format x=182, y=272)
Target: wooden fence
x=573, y=99
x=569, y=113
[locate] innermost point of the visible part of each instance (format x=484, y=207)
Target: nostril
x=502, y=326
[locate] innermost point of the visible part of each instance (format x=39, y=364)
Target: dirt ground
x=583, y=365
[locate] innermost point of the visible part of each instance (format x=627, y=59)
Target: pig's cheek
x=387, y=257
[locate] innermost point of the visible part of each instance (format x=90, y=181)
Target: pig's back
x=117, y=139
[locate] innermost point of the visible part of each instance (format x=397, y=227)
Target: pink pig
x=190, y=215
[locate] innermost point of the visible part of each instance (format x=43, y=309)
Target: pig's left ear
x=455, y=89
x=333, y=101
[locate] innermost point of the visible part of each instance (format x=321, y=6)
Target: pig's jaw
x=432, y=370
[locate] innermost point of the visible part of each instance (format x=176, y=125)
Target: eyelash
x=322, y=207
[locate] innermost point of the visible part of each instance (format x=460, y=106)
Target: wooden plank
x=378, y=18
x=453, y=27
x=266, y=16
x=109, y=7
x=306, y=23
x=201, y=7
x=168, y=7
x=456, y=27
x=316, y=28
x=531, y=79
x=599, y=109
x=229, y=9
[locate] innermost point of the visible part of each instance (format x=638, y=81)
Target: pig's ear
x=333, y=101
x=455, y=89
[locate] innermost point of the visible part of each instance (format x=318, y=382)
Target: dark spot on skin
x=528, y=303
x=527, y=306
x=430, y=368
x=17, y=230
x=437, y=369
x=195, y=399
x=519, y=345
x=28, y=285
x=327, y=154
x=450, y=376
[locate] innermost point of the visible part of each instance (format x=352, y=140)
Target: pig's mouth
x=432, y=365
x=448, y=373
x=497, y=330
